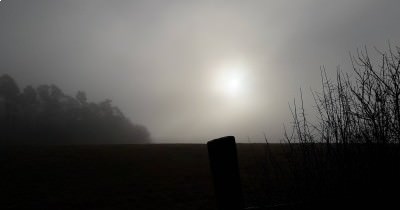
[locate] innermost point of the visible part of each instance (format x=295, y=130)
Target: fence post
x=224, y=165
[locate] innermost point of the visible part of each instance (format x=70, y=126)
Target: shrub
x=351, y=150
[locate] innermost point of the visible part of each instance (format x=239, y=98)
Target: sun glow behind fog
x=233, y=105
x=230, y=80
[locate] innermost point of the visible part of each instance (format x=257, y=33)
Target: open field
x=177, y=176
x=118, y=177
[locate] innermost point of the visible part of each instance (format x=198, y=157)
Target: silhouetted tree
x=9, y=93
x=353, y=146
x=44, y=93
x=47, y=115
x=29, y=96
x=81, y=97
x=8, y=88
x=29, y=105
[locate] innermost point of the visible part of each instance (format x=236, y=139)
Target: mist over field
x=212, y=104
x=190, y=70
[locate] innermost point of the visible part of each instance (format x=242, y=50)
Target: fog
x=191, y=70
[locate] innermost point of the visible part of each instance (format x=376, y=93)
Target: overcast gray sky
x=190, y=70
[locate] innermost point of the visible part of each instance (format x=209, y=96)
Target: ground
x=119, y=177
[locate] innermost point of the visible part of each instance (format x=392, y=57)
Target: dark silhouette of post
x=225, y=170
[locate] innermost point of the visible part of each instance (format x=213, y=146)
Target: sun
x=233, y=83
x=231, y=80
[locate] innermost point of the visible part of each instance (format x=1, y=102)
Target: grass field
x=119, y=177
x=177, y=176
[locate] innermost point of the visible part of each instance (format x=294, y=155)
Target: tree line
x=46, y=115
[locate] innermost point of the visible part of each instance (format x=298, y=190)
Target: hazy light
x=233, y=84
x=231, y=80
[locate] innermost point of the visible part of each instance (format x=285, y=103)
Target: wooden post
x=224, y=165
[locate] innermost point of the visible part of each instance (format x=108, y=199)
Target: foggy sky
x=158, y=60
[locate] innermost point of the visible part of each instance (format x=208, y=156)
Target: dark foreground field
x=178, y=177
x=118, y=177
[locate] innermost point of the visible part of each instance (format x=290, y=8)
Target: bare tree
x=356, y=136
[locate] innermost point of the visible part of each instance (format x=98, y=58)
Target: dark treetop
x=45, y=115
